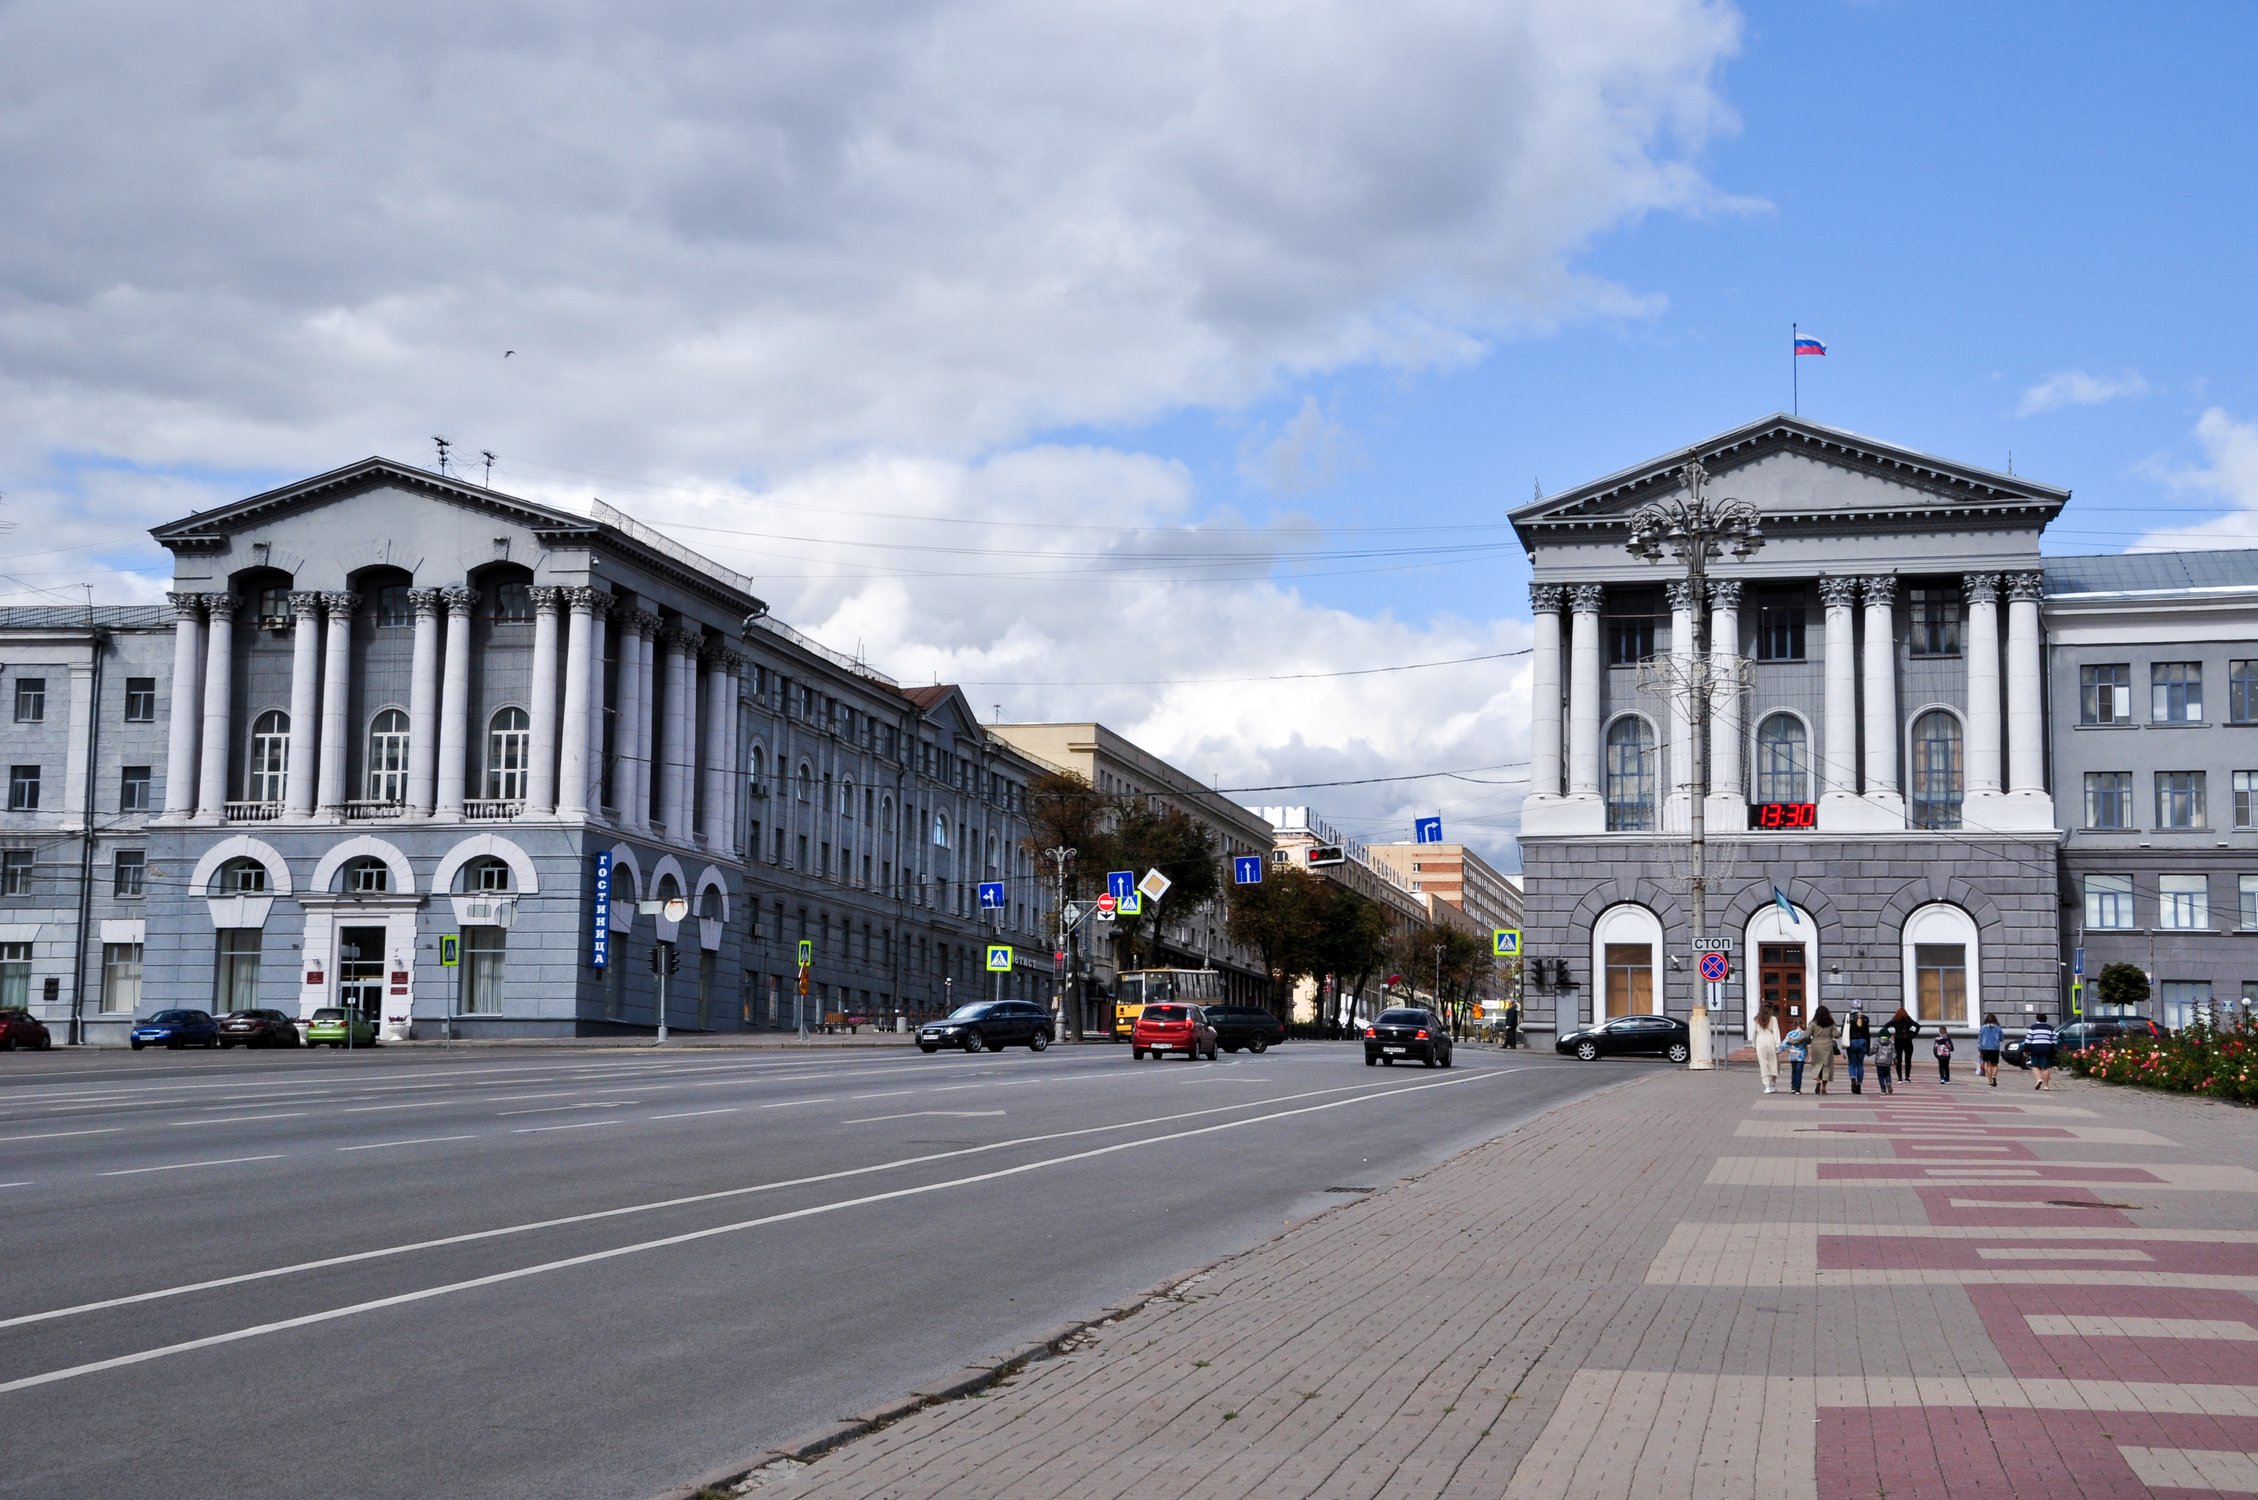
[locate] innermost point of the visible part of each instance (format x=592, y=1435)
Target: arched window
x=1943, y=977
x=806, y=789
x=486, y=874
x=886, y=817
x=1936, y=770
x=270, y=757
x=388, y=756
x=513, y=604
x=1630, y=776
x=847, y=798
x=509, y=750
x=991, y=854
x=756, y=769
x=364, y=877
x=940, y=830
x=241, y=877
x=1783, y=760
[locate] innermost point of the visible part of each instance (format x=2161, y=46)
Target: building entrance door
x=1779, y=983
x=360, y=971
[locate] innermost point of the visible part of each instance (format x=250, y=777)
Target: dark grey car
x=993, y=1024
x=1407, y=1032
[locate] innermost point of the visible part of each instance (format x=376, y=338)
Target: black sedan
x=1630, y=1036
x=258, y=1028
x=2079, y=1035
x=1407, y=1032
x=175, y=1029
x=993, y=1024
x=1248, y=1026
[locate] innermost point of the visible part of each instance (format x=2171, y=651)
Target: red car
x=1172, y=1028
x=20, y=1028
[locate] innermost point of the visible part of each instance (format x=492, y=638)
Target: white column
x=454, y=704
x=1983, y=682
x=1679, y=787
x=80, y=735
x=713, y=749
x=581, y=682
x=670, y=745
x=732, y=751
x=305, y=683
x=1726, y=731
x=1881, y=690
x=592, y=790
x=423, y=700
x=541, y=738
x=1544, y=690
x=1583, y=693
x=627, y=751
x=2026, y=725
x=219, y=694
x=336, y=694
x=187, y=705
x=1838, y=749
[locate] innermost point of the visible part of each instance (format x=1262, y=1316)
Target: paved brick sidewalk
x=1683, y=1288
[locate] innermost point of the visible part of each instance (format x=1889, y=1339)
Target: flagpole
x=1795, y=375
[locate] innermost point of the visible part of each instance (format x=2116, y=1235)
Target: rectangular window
x=15, y=872
x=2105, y=694
x=31, y=700
x=2247, y=887
x=1630, y=632
x=2185, y=1002
x=2246, y=799
x=2242, y=692
x=2179, y=799
x=15, y=976
x=2109, y=799
x=1940, y=982
x=1779, y=629
x=2109, y=901
x=23, y=789
x=1933, y=616
x=127, y=871
x=2175, y=692
x=133, y=789
x=2183, y=902
x=140, y=700
x=482, y=957
x=235, y=972
x=1630, y=979
x=121, y=978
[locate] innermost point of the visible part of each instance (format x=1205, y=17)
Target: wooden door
x=1779, y=981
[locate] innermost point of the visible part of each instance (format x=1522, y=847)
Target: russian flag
x=1806, y=344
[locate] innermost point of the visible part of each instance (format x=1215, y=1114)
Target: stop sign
x=1106, y=904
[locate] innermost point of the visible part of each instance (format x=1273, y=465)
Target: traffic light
x=1326, y=854
x=665, y=959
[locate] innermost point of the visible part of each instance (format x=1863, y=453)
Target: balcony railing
x=491, y=809
x=371, y=811
x=253, y=812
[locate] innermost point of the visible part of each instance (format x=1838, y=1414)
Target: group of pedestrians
x=1819, y=1044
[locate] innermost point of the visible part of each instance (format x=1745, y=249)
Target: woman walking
x=1903, y=1029
x=2038, y=1051
x=1988, y=1038
x=1768, y=1047
x=1859, y=1039
x=1824, y=1041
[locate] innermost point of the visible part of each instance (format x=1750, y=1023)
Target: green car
x=327, y=1029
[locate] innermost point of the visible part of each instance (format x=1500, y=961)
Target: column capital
x=546, y=600
x=340, y=605
x=1725, y=593
x=2025, y=586
x=1838, y=593
x=582, y=601
x=1879, y=588
x=641, y=621
x=1587, y=598
x=305, y=605
x=1980, y=588
x=689, y=642
x=735, y=662
x=1681, y=591
x=187, y=606
x=427, y=602
x=221, y=606
x=459, y=601
x=1546, y=598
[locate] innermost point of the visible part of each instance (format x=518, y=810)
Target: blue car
x=176, y=1029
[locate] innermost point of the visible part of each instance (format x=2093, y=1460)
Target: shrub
x=2215, y=1062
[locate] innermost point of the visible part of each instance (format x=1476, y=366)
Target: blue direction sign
x=1246, y=869
x=1121, y=884
x=991, y=895
x=1427, y=831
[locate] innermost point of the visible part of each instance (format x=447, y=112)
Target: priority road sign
x=991, y=895
x=1427, y=831
x=1119, y=883
x=1505, y=942
x=999, y=958
x=1154, y=885
x=1246, y=869
x=1715, y=966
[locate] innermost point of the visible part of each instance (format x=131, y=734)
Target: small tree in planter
x=2121, y=987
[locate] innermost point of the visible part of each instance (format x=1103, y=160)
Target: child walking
x=1882, y=1068
x=1796, y=1048
x=1944, y=1055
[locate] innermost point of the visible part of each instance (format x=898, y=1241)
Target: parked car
x=258, y=1028
x=1407, y=1031
x=1248, y=1026
x=993, y=1024
x=20, y=1028
x=1630, y=1036
x=1172, y=1028
x=2079, y=1035
x=175, y=1029
x=327, y=1029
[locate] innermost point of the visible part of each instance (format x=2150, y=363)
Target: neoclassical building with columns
x=1879, y=823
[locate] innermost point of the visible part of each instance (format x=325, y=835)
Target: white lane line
x=294, y=1114
x=330, y=1315
x=373, y=1109
x=56, y=1135
x=552, y=1109
x=225, y=1161
x=692, y=1114
x=576, y=1125
x=356, y=1257
x=919, y=1114
x=421, y=1140
x=789, y=1103
x=14, y=1184
x=889, y=1094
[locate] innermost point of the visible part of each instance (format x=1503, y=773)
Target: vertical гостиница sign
x=600, y=934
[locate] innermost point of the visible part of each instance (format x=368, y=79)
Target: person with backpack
x=1944, y=1055
x=1796, y=1048
x=1858, y=1041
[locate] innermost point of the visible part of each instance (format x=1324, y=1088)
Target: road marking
x=421, y=1140
x=890, y=1094
x=225, y=1161
x=240, y=1119
x=130, y=1299
x=576, y=1125
x=550, y=1109
x=56, y=1135
x=919, y=1114
x=371, y=1109
x=788, y=1103
x=691, y=1237
x=692, y=1114
x=14, y=1184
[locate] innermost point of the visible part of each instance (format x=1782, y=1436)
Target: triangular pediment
x=1792, y=470
x=210, y=527
x=945, y=704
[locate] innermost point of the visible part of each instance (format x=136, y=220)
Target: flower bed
x=2218, y=1064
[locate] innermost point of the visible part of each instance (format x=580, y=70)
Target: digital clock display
x=1778, y=816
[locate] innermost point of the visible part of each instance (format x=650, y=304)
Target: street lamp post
x=1695, y=531
x=1060, y=857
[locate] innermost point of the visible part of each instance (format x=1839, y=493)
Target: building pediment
x=944, y=704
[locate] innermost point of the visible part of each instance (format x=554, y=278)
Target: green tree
x=2122, y=985
x=1352, y=947
x=1283, y=919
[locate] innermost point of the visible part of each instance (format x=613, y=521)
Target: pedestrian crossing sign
x=1505, y=942
x=1133, y=907
x=807, y=952
x=999, y=958
x=450, y=949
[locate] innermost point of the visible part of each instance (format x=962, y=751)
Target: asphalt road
x=596, y=1273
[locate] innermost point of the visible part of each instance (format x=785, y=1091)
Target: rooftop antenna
x=2010, y=461
x=1538, y=485
x=443, y=446
x=488, y=455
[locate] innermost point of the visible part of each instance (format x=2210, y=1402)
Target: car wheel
x=1370, y=1061
x=46, y=1043
x=225, y=1045
x=1678, y=1052
x=1432, y=1059
x=927, y=1047
x=135, y=1045
x=174, y=1046
x=8, y=1042
x=973, y=1043
x=1588, y=1051
x=1038, y=1041
x=1136, y=1054
x=1229, y=1046
x=1391, y=1062
x=1447, y=1056
x=1259, y=1045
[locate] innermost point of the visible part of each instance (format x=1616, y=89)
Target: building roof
x=85, y=617
x=2151, y=572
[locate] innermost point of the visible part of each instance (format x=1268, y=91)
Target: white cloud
x=2077, y=388
x=2228, y=475
x=1309, y=451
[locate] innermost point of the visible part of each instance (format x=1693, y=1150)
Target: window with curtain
x=1937, y=785
x=1783, y=760
x=2175, y=692
x=388, y=756
x=269, y=766
x=1631, y=777
x=509, y=751
x=121, y=978
x=235, y=977
x=2105, y=693
x=2109, y=799
x=1630, y=979
x=2179, y=799
x=2109, y=901
x=484, y=949
x=1940, y=981
x=2183, y=902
